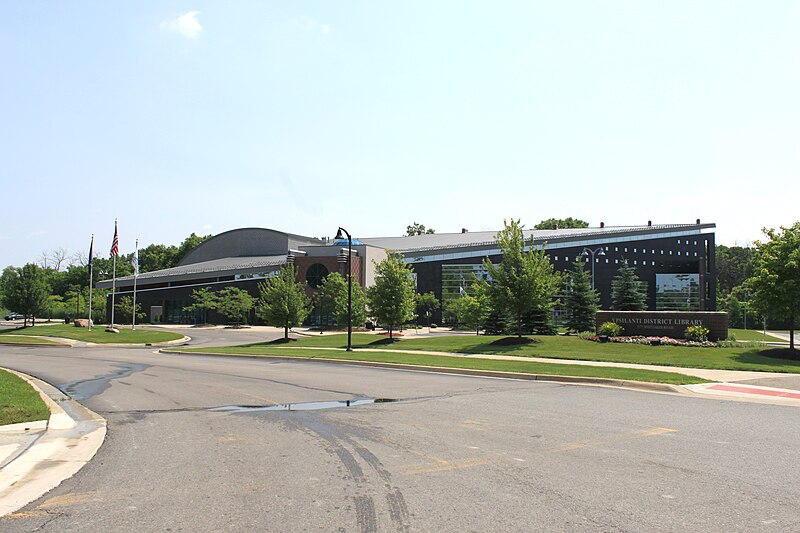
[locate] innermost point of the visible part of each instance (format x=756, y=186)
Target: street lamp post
x=589, y=252
x=349, y=285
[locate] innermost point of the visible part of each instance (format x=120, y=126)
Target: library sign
x=667, y=323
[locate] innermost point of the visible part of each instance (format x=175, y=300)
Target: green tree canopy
x=203, y=301
x=124, y=309
x=332, y=300
x=426, y=304
x=418, y=229
x=628, y=292
x=581, y=300
x=25, y=291
x=283, y=302
x=776, y=282
x=235, y=303
x=561, y=223
x=523, y=282
x=472, y=308
x=391, y=299
x=735, y=265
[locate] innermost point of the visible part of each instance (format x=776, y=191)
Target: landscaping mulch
x=514, y=341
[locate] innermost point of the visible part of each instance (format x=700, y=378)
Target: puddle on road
x=86, y=388
x=307, y=406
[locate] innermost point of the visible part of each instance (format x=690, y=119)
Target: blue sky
x=179, y=117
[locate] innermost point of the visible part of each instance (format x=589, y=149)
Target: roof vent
x=602, y=224
x=555, y=226
x=649, y=222
x=698, y=220
x=464, y=230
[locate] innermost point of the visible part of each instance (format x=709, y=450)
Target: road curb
x=575, y=380
x=61, y=344
x=139, y=344
x=72, y=438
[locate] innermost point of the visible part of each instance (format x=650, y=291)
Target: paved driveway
x=454, y=453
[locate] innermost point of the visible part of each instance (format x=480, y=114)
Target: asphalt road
x=453, y=453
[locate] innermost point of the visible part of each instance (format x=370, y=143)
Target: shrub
x=697, y=333
x=585, y=334
x=610, y=329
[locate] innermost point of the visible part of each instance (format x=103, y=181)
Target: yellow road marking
x=648, y=432
x=74, y=498
x=446, y=466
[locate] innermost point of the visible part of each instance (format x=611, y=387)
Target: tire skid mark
x=337, y=443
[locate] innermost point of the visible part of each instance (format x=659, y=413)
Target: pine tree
x=628, y=292
x=283, y=302
x=581, y=300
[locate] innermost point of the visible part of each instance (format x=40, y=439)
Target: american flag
x=115, y=244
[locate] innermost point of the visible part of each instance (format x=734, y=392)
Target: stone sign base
x=666, y=323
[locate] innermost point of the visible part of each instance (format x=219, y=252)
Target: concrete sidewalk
x=36, y=457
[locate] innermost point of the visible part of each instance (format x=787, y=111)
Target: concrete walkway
x=35, y=457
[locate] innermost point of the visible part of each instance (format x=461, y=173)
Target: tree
x=776, y=282
x=189, y=243
x=473, y=309
x=203, y=300
x=523, y=282
x=735, y=265
x=581, y=300
x=391, y=299
x=124, y=309
x=418, y=229
x=426, y=304
x=157, y=257
x=283, y=301
x=332, y=300
x=235, y=303
x=561, y=223
x=628, y=292
x=25, y=291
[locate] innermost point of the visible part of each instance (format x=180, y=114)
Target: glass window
x=677, y=292
x=457, y=279
x=315, y=275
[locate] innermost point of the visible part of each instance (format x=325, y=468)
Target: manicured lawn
x=752, y=335
x=562, y=347
x=22, y=339
x=19, y=402
x=97, y=335
x=439, y=361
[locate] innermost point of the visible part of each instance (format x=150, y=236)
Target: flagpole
x=91, y=285
x=113, y=290
x=135, y=275
x=114, y=253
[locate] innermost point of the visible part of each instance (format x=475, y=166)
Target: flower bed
x=654, y=341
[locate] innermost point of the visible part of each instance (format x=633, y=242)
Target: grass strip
x=753, y=336
x=19, y=402
x=97, y=335
x=443, y=361
x=22, y=339
x=571, y=347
